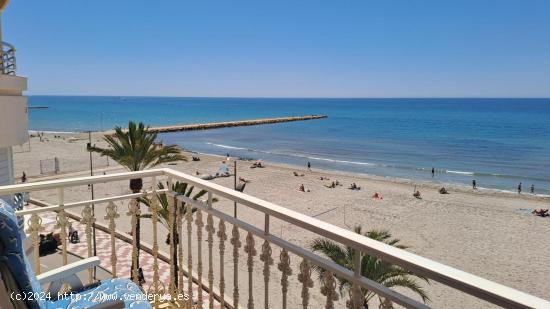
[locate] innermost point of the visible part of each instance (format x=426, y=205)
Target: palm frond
x=375, y=269
x=136, y=150
x=180, y=188
x=409, y=283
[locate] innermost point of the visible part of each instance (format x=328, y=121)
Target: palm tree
x=135, y=149
x=385, y=273
x=180, y=188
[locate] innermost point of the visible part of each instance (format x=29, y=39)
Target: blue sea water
x=498, y=142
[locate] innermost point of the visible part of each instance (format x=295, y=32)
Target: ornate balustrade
x=7, y=59
x=206, y=239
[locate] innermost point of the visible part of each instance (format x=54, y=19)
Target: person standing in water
x=519, y=188
x=532, y=189
x=433, y=172
x=474, y=185
x=309, y=165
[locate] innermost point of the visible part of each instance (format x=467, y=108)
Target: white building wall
x=13, y=111
x=13, y=124
x=6, y=170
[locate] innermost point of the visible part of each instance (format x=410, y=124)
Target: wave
x=460, y=172
x=228, y=147
x=541, y=195
x=338, y=161
x=293, y=155
x=379, y=165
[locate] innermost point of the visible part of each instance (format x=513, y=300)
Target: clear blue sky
x=481, y=48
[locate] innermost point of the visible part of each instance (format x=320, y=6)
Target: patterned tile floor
x=123, y=249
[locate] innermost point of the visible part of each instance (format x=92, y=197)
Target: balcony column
x=13, y=124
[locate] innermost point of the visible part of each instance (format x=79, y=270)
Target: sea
x=497, y=142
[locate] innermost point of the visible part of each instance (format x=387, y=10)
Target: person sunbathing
x=443, y=191
x=331, y=186
x=297, y=175
x=417, y=194
x=377, y=196
x=541, y=212
x=257, y=164
x=354, y=186
x=243, y=179
x=207, y=176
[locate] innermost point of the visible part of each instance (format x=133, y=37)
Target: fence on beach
x=63, y=165
x=49, y=166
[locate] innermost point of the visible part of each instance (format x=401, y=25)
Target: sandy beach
x=488, y=233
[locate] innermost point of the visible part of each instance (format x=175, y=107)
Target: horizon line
x=286, y=97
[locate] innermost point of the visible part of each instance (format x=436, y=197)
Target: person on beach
x=433, y=172
x=257, y=164
x=519, y=188
x=541, y=212
x=309, y=166
x=532, y=189
x=302, y=188
x=332, y=185
x=25, y=195
x=474, y=185
x=417, y=194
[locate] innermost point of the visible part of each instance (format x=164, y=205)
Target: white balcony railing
x=209, y=225
x=7, y=59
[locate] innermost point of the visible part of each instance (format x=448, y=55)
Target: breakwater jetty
x=237, y=123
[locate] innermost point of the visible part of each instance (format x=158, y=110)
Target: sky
x=294, y=48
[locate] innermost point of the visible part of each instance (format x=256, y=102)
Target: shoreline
x=397, y=180
x=462, y=187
